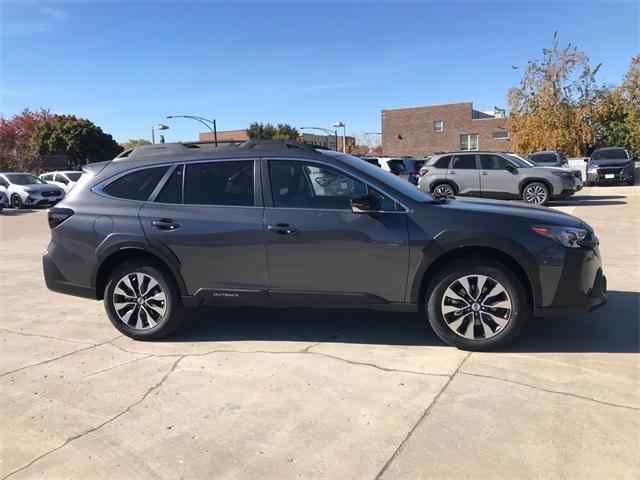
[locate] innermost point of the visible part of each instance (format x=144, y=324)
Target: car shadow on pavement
x=613, y=328
x=12, y=212
x=589, y=200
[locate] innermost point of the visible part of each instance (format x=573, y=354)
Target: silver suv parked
x=495, y=175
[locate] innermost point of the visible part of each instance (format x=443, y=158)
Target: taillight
x=423, y=171
x=58, y=215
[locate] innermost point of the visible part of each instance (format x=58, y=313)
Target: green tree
x=78, y=138
x=267, y=131
x=134, y=142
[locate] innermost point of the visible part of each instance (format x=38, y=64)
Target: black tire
x=505, y=279
x=173, y=307
x=16, y=201
x=536, y=193
x=443, y=190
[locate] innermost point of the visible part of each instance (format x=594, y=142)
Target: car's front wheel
x=476, y=304
x=142, y=300
x=536, y=193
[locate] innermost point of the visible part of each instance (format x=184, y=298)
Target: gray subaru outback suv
x=164, y=227
x=495, y=175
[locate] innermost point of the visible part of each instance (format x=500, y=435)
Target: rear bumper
x=582, y=287
x=57, y=282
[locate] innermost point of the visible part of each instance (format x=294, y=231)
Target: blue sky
x=125, y=65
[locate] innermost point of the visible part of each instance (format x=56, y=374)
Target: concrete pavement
x=349, y=394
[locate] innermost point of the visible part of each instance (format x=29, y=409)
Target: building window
x=500, y=135
x=469, y=142
x=438, y=126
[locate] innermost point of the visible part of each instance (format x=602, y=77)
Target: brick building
x=421, y=131
x=327, y=141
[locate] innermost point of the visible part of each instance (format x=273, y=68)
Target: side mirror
x=366, y=203
x=586, y=159
x=510, y=168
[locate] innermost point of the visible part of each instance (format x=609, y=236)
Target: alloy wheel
x=443, y=191
x=535, y=194
x=139, y=301
x=476, y=307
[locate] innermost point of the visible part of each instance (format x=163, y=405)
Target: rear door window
x=172, y=190
x=220, y=183
x=136, y=185
x=464, y=162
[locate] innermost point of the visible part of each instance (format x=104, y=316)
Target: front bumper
x=610, y=175
x=582, y=286
x=36, y=200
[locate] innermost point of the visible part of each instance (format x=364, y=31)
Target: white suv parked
x=66, y=180
x=26, y=190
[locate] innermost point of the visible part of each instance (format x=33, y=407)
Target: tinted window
x=172, y=190
x=136, y=185
x=48, y=176
x=464, y=162
x=442, y=162
x=311, y=185
x=74, y=176
x=3, y=182
x=493, y=162
x=544, y=157
x=60, y=178
x=612, y=154
x=396, y=166
x=220, y=183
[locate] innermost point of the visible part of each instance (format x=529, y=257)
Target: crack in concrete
x=116, y=366
x=98, y=427
x=13, y=332
x=44, y=362
x=333, y=337
x=424, y=415
x=546, y=390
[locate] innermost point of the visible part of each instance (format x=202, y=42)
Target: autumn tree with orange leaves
x=560, y=106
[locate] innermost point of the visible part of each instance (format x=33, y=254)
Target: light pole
x=160, y=126
x=344, y=135
x=326, y=130
x=204, y=121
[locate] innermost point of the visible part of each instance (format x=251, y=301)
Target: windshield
x=520, y=162
x=74, y=176
x=388, y=178
x=24, y=179
x=610, y=154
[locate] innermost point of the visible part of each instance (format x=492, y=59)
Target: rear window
x=136, y=185
x=220, y=183
x=544, y=157
x=442, y=162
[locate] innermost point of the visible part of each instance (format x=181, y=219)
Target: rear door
x=495, y=179
x=213, y=226
x=464, y=172
x=318, y=249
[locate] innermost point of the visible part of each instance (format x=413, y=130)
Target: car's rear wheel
x=476, y=304
x=536, y=193
x=443, y=190
x=142, y=300
x=16, y=201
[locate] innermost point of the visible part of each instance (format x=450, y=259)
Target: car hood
x=610, y=163
x=41, y=188
x=515, y=211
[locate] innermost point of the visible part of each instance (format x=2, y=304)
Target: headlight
x=563, y=174
x=566, y=236
x=592, y=169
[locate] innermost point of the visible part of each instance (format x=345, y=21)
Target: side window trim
x=268, y=194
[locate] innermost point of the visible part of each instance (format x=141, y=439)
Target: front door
x=495, y=179
x=319, y=250
x=464, y=172
x=214, y=228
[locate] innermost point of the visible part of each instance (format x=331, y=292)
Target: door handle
x=283, y=229
x=485, y=173
x=451, y=172
x=165, y=224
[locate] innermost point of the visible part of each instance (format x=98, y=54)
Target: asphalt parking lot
x=335, y=394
